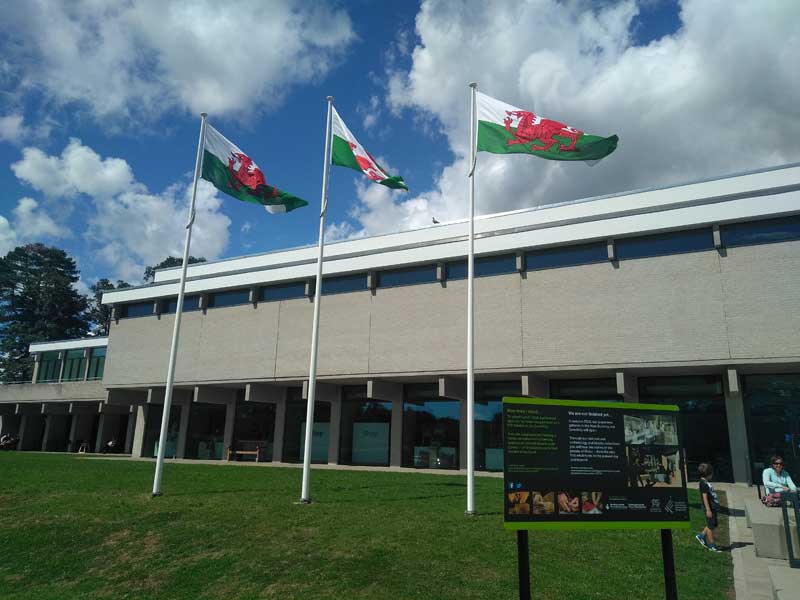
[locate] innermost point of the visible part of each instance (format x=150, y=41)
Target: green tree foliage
x=100, y=314
x=37, y=303
x=170, y=261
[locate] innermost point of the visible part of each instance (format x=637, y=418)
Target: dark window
x=566, y=256
x=189, y=303
x=284, y=291
x=702, y=415
x=74, y=366
x=365, y=430
x=50, y=367
x=97, y=363
x=761, y=232
x=137, y=309
x=675, y=242
x=152, y=430
x=229, y=298
x=484, y=266
x=254, y=429
x=407, y=276
x=294, y=436
x=489, y=422
x=584, y=389
x=344, y=283
x=773, y=421
x=430, y=428
x=206, y=433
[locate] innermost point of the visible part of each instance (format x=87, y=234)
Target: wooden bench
x=247, y=449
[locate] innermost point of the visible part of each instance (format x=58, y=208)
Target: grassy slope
x=72, y=527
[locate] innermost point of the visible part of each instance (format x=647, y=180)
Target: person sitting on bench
x=776, y=480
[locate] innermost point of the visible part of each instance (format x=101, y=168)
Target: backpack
x=772, y=500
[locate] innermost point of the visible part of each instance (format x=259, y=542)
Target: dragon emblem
x=532, y=127
x=245, y=173
x=368, y=164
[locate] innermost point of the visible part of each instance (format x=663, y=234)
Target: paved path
x=750, y=573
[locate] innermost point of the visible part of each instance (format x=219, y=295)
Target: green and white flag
x=347, y=152
x=506, y=129
x=234, y=173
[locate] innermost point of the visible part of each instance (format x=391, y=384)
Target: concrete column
x=230, y=422
x=37, y=362
x=140, y=416
x=48, y=428
x=101, y=426
x=336, y=430
x=396, y=442
x=183, y=430
x=129, y=433
x=280, y=425
x=388, y=391
x=737, y=427
x=73, y=433
x=627, y=386
x=535, y=386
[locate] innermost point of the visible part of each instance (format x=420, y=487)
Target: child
x=708, y=498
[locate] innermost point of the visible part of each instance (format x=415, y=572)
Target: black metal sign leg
x=523, y=565
x=668, y=558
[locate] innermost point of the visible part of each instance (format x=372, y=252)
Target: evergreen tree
x=100, y=314
x=38, y=303
x=170, y=261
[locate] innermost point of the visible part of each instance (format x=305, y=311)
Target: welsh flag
x=347, y=152
x=234, y=173
x=506, y=129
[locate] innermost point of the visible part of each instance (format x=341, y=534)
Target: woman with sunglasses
x=776, y=480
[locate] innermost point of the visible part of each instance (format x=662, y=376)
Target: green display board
x=571, y=464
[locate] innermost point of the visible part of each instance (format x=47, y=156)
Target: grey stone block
x=785, y=582
x=769, y=534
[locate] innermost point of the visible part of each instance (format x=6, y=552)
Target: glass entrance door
x=773, y=410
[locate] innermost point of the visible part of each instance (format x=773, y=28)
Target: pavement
x=750, y=572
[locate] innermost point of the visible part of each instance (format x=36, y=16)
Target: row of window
x=75, y=365
x=676, y=242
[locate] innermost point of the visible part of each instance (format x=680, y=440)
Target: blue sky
x=129, y=82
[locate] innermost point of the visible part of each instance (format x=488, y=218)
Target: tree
x=38, y=303
x=170, y=261
x=100, y=314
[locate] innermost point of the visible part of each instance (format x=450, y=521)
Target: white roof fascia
x=573, y=233
x=93, y=342
x=718, y=190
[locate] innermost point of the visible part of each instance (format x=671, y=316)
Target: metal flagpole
x=173, y=351
x=305, y=494
x=471, y=311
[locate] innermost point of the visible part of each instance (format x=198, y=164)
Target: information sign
x=592, y=465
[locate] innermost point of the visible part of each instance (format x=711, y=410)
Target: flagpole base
x=304, y=501
x=470, y=513
x=156, y=494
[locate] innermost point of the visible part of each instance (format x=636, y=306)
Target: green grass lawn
x=74, y=527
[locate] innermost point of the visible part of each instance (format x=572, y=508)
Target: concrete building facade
x=686, y=295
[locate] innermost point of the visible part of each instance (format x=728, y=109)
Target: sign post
x=593, y=465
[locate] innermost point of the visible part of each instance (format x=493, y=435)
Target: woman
x=776, y=480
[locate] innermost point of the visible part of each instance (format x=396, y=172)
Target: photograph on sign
x=577, y=464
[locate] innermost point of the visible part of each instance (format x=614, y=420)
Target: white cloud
x=13, y=129
x=701, y=102
x=79, y=170
x=145, y=57
x=129, y=227
x=32, y=223
x=8, y=237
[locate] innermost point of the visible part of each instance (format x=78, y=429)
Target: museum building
x=682, y=295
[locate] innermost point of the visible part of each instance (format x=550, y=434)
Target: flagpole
x=471, y=312
x=305, y=494
x=173, y=351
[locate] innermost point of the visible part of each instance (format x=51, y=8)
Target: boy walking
x=710, y=503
